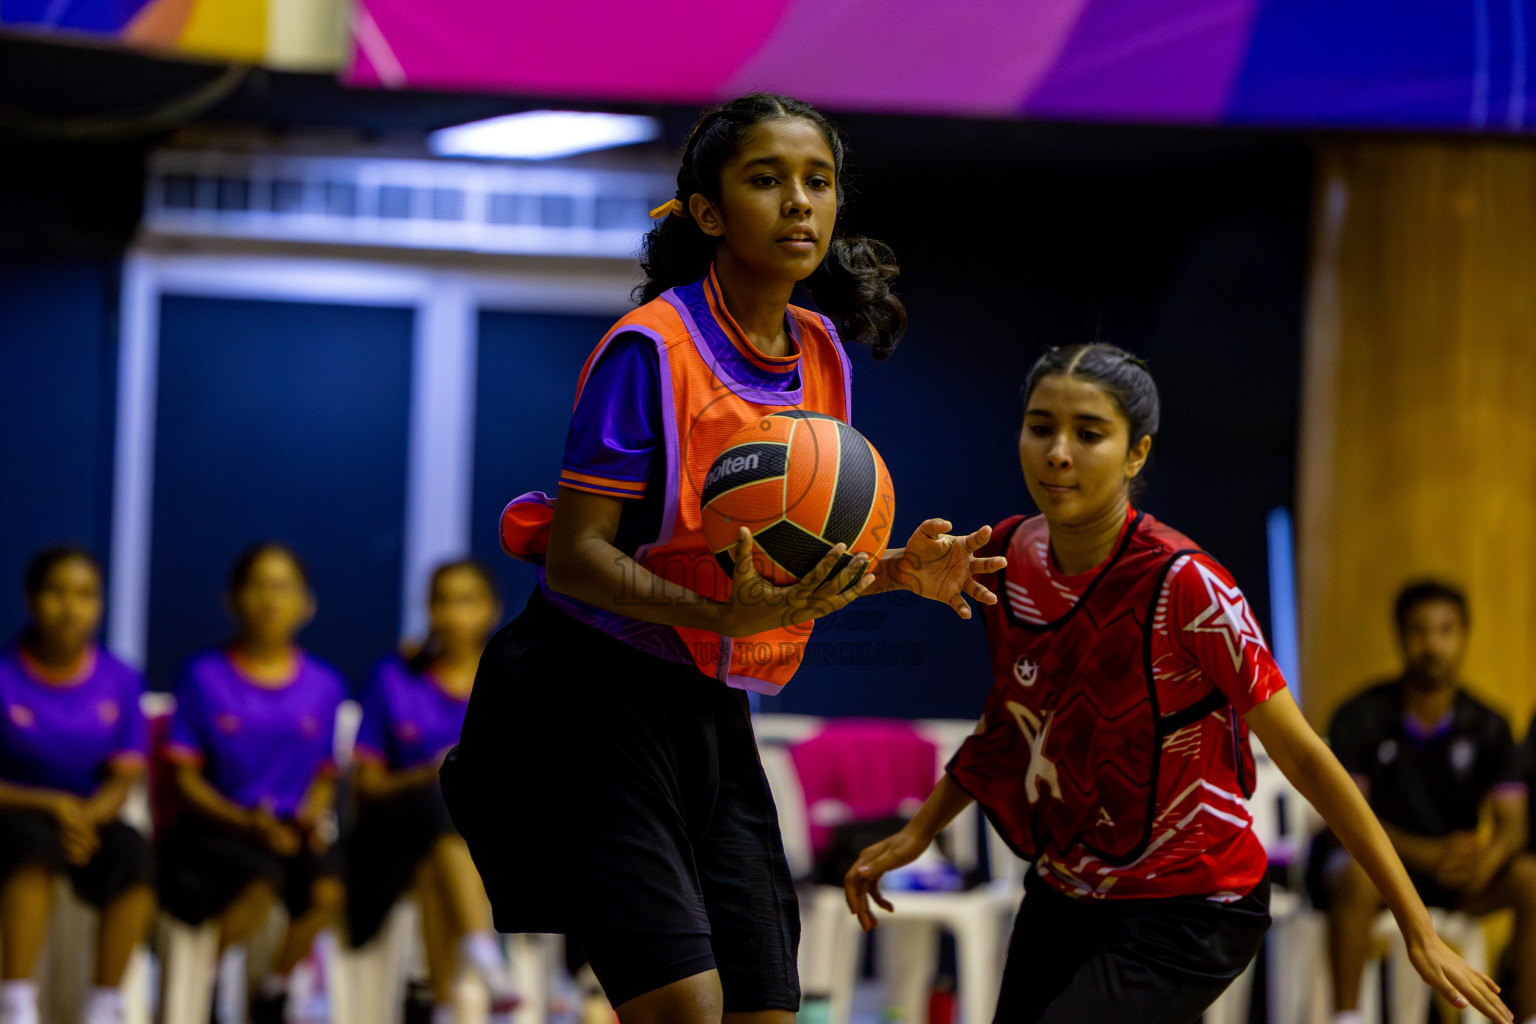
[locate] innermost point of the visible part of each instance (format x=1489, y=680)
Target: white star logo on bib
x=1228, y=615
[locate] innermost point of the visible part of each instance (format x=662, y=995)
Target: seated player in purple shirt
x=72, y=742
x=252, y=739
x=413, y=709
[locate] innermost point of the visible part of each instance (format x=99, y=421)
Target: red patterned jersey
x=1112, y=751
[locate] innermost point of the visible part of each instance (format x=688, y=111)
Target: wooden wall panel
x=1418, y=435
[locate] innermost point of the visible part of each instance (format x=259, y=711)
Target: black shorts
x=389, y=841
x=203, y=867
x=1144, y=961
x=616, y=797
x=122, y=861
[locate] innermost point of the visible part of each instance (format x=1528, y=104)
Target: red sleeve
x=1210, y=622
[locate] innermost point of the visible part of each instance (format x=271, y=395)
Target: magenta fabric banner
x=1452, y=63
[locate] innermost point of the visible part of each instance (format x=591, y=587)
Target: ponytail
x=853, y=288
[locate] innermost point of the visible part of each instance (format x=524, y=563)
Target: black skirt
x=383, y=851
x=122, y=861
x=203, y=867
x=601, y=789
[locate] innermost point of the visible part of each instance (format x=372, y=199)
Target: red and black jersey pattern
x=1112, y=750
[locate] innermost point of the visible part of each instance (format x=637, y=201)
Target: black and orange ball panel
x=801, y=482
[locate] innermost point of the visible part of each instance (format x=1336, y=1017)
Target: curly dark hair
x=853, y=284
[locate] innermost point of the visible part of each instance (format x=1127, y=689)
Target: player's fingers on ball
x=852, y=570
x=743, y=554
x=823, y=568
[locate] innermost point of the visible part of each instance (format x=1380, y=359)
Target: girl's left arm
x=939, y=565
x=1311, y=767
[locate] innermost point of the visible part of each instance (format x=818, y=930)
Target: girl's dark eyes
x=768, y=181
x=1088, y=436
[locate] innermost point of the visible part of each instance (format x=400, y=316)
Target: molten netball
x=801, y=482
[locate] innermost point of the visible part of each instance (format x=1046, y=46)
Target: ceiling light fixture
x=543, y=134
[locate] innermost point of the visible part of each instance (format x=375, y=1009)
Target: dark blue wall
x=1197, y=264
x=527, y=371
x=285, y=421
x=58, y=387
x=1188, y=248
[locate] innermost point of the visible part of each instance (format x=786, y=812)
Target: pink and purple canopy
x=1450, y=63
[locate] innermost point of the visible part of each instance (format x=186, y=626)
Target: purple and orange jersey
x=66, y=735
x=408, y=719
x=257, y=745
x=616, y=427
x=660, y=413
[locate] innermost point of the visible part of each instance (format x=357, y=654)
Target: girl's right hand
x=756, y=605
x=862, y=882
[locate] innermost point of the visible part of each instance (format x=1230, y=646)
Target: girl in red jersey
x=1113, y=752
x=606, y=780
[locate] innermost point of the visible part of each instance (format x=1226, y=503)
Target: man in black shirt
x=1431, y=759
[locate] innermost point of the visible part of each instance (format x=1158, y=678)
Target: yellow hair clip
x=670, y=208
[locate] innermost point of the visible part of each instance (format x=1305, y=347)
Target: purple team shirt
x=66, y=735
x=407, y=719
x=256, y=744
x=616, y=427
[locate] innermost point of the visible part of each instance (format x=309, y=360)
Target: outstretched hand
x=1449, y=974
x=756, y=605
x=939, y=565
x=862, y=882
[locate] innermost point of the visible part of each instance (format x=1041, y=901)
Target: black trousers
x=1151, y=961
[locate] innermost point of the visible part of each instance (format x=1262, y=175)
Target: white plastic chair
x=1300, y=979
x=371, y=980
x=831, y=939
x=979, y=918
x=374, y=976
x=67, y=962
x=1284, y=823
x=65, y=968
x=829, y=935
x=1407, y=995
x=191, y=966
x=776, y=729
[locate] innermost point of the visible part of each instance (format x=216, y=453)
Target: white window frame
x=446, y=301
